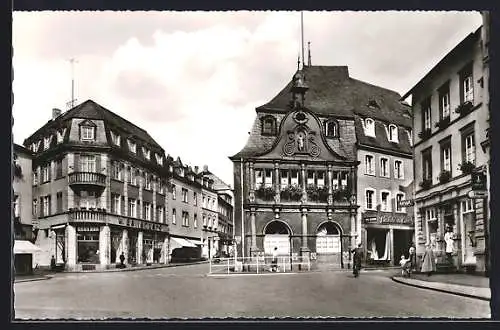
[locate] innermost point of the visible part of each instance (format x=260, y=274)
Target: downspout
x=242, y=212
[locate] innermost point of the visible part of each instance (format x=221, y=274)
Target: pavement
x=187, y=292
x=465, y=285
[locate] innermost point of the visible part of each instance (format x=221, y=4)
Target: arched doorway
x=328, y=238
x=277, y=234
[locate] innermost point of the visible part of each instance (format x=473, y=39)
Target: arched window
x=268, y=125
x=328, y=238
x=331, y=128
x=369, y=127
x=393, y=133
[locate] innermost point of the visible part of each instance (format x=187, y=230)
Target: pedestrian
x=53, y=263
x=413, y=258
x=357, y=258
x=274, y=262
x=428, y=262
x=122, y=260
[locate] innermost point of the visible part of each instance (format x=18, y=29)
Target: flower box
x=443, y=123
x=464, y=108
x=467, y=167
x=318, y=194
x=425, y=134
x=341, y=194
x=293, y=193
x=426, y=184
x=265, y=193
x=444, y=176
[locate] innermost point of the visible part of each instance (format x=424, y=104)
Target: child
x=404, y=266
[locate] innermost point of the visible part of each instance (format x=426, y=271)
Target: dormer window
x=393, y=133
x=146, y=153
x=181, y=171
x=159, y=159
x=369, y=127
x=410, y=137
x=115, y=138
x=331, y=128
x=60, y=135
x=132, y=146
x=46, y=142
x=35, y=146
x=87, y=131
x=170, y=168
x=268, y=125
x=373, y=104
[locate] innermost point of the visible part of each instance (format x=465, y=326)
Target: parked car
x=186, y=254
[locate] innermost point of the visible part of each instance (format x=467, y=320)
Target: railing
x=96, y=215
x=87, y=178
x=258, y=265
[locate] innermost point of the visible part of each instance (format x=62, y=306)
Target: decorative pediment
x=88, y=123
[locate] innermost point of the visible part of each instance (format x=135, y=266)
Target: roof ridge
x=377, y=86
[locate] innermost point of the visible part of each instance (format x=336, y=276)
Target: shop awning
x=25, y=247
x=181, y=242
x=195, y=241
x=58, y=226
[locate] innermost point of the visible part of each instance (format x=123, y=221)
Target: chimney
x=56, y=113
x=205, y=168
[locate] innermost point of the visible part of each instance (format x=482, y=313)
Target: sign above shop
x=477, y=194
x=478, y=181
x=389, y=219
x=406, y=203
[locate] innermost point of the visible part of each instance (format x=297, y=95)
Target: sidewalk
x=460, y=284
x=47, y=274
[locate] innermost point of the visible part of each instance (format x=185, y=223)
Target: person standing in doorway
x=428, y=263
x=356, y=260
x=274, y=262
x=413, y=258
x=122, y=260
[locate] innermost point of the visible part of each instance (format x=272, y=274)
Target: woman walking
x=428, y=263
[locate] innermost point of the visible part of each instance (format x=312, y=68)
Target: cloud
x=193, y=79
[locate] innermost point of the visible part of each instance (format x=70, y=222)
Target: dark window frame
x=272, y=131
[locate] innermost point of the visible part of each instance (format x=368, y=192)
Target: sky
x=194, y=79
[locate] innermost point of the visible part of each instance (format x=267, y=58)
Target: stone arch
x=274, y=226
x=329, y=223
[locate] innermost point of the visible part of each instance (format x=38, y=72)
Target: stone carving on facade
x=301, y=141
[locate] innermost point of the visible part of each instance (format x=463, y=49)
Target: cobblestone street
x=187, y=292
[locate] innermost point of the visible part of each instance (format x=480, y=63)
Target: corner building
x=99, y=189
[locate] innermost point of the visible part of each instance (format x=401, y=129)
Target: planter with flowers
x=425, y=134
x=467, y=167
x=426, y=184
x=444, y=176
x=265, y=193
x=443, y=123
x=291, y=193
x=464, y=108
x=317, y=194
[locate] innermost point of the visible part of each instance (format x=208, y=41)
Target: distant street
x=187, y=292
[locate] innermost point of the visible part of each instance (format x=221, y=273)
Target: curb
x=132, y=269
x=395, y=279
x=47, y=277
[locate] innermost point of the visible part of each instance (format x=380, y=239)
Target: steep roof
x=333, y=93
x=92, y=110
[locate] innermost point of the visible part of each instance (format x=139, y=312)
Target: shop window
x=88, y=246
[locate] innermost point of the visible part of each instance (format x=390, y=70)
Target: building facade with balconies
x=450, y=119
x=99, y=190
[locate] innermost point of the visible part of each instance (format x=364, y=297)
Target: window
x=87, y=163
x=195, y=198
x=385, y=198
x=46, y=173
x=174, y=192
x=369, y=127
x=469, y=148
x=268, y=125
x=284, y=179
x=258, y=178
x=60, y=135
x=321, y=179
x=410, y=137
x=87, y=133
x=426, y=114
x=35, y=208
x=444, y=101
x=294, y=178
x=147, y=211
x=174, y=215
x=466, y=85
x=117, y=171
x=88, y=199
x=46, y=142
x=369, y=199
x=132, y=208
x=159, y=159
x=185, y=219
x=310, y=177
x=133, y=176
x=88, y=244
x=59, y=169
x=16, y=206
x=393, y=133
x=115, y=138
x=369, y=165
x=204, y=217
x=116, y=206
x=268, y=182
x=161, y=186
x=195, y=221
x=331, y=128
x=427, y=164
x=35, y=178
x=398, y=169
x=184, y=195
x=59, y=202
x=467, y=205
x=384, y=167
x=446, y=155
x=132, y=147
x=45, y=201
x=161, y=214
x=430, y=214
x=147, y=181
x=399, y=198
x=204, y=202
x=146, y=153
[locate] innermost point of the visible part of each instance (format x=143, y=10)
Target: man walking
x=274, y=262
x=356, y=260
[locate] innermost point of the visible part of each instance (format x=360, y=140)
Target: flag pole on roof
x=71, y=103
x=302, y=36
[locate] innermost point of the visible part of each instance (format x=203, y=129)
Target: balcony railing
x=87, y=178
x=93, y=215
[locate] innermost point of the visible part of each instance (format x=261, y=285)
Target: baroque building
x=451, y=121
x=99, y=190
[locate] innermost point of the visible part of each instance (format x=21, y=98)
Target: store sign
x=395, y=219
x=406, y=203
x=87, y=229
x=477, y=194
x=371, y=220
x=478, y=181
